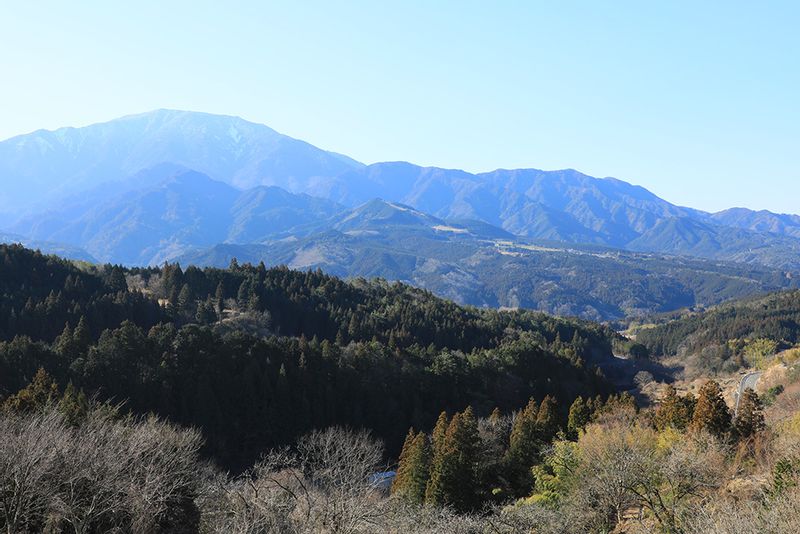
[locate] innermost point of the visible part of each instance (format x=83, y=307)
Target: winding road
x=748, y=381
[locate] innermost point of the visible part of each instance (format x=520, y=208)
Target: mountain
x=173, y=184
x=474, y=263
x=690, y=237
x=565, y=205
x=41, y=168
x=759, y=221
x=47, y=247
x=571, y=207
x=186, y=209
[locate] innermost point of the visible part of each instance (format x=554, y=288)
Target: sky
x=697, y=101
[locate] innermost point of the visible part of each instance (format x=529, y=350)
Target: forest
x=726, y=338
x=254, y=357
x=257, y=400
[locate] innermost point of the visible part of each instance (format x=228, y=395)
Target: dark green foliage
x=453, y=481
x=40, y=294
x=715, y=332
x=580, y=413
x=318, y=351
x=547, y=418
x=523, y=452
x=771, y=394
x=36, y=396
x=785, y=475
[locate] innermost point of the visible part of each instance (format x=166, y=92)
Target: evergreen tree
x=205, y=313
x=674, y=410
x=439, y=432
x=414, y=468
x=65, y=343
x=547, y=418
x=73, y=405
x=185, y=299
x=711, y=413
x=523, y=450
x=81, y=336
x=40, y=393
x=580, y=413
x=454, y=469
x=219, y=298
x=750, y=419
x=399, y=484
x=243, y=295
x=495, y=417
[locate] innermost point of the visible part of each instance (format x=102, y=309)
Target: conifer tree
x=41, y=392
x=495, y=416
x=243, y=295
x=414, y=468
x=580, y=414
x=81, y=335
x=674, y=410
x=219, y=298
x=419, y=469
x=185, y=299
x=523, y=450
x=400, y=479
x=73, y=405
x=711, y=413
x=750, y=419
x=547, y=418
x=454, y=470
x=439, y=431
x=65, y=344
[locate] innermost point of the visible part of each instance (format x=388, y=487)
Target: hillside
x=175, y=210
x=476, y=264
x=182, y=215
x=254, y=356
x=741, y=333
x=43, y=167
x=56, y=177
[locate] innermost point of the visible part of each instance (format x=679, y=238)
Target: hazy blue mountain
x=85, y=186
x=60, y=249
x=564, y=204
x=40, y=168
x=695, y=238
x=186, y=210
x=571, y=207
x=760, y=221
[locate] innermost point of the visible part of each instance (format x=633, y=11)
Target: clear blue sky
x=697, y=101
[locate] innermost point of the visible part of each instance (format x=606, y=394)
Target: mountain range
x=200, y=188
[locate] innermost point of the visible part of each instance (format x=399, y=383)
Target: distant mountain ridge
x=41, y=167
x=170, y=184
x=177, y=210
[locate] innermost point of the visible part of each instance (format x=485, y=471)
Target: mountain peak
x=40, y=168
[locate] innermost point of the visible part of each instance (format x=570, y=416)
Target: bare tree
x=160, y=475
x=28, y=447
x=327, y=484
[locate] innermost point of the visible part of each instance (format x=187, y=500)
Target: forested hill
x=255, y=356
x=731, y=335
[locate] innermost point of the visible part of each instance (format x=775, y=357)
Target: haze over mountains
x=203, y=188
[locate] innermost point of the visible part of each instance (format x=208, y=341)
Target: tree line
x=255, y=357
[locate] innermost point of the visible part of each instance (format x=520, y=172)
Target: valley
x=291, y=332
x=200, y=189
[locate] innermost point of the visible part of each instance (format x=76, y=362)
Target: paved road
x=748, y=381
